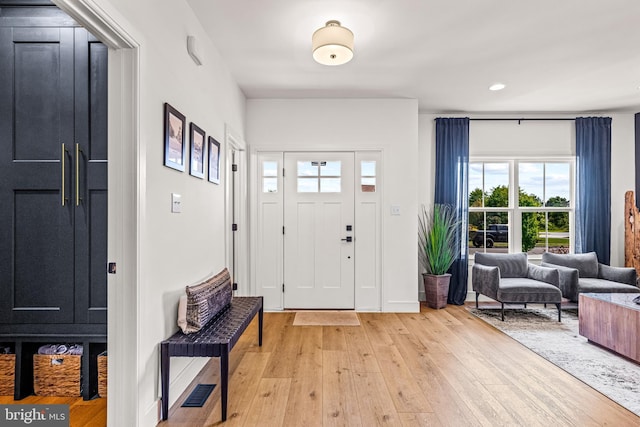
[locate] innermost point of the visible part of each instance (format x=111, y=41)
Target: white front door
x=319, y=230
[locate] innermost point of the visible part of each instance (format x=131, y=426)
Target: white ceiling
x=553, y=55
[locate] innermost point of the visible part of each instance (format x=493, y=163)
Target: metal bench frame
x=215, y=339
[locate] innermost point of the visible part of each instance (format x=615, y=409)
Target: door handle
x=78, y=151
x=348, y=239
x=62, y=158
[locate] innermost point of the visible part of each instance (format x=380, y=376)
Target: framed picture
x=174, y=144
x=214, y=161
x=196, y=154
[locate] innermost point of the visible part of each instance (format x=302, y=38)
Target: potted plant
x=438, y=249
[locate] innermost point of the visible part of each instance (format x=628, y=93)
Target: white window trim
x=514, y=211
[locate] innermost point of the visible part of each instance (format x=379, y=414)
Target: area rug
x=559, y=342
x=326, y=318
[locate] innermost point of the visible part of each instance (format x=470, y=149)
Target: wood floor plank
x=333, y=338
x=390, y=321
x=419, y=420
x=403, y=388
x=339, y=399
x=377, y=332
x=308, y=358
x=268, y=408
x=243, y=388
x=360, y=351
x=376, y=405
x=444, y=400
x=419, y=326
x=273, y=330
x=304, y=406
x=520, y=410
x=282, y=363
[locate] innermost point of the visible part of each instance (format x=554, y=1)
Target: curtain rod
x=523, y=119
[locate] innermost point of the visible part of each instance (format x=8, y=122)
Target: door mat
x=198, y=396
x=326, y=318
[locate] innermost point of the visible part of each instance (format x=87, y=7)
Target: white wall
x=390, y=125
x=535, y=138
x=175, y=250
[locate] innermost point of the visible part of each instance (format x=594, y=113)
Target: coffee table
x=612, y=321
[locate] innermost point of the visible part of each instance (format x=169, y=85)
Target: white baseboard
x=401, y=307
x=368, y=309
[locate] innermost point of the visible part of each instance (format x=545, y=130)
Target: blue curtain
x=452, y=187
x=593, y=186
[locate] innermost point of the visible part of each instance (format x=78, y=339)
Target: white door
x=319, y=230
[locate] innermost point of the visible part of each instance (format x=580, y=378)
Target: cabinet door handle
x=78, y=151
x=62, y=158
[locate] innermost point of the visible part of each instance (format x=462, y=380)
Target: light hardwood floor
x=437, y=367
x=90, y=413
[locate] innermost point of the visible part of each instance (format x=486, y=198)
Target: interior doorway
x=124, y=216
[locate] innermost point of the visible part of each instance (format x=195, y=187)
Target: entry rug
x=561, y=344
x=326, y=318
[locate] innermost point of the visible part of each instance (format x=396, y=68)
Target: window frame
x=319, y=176
x=515, y=211
x=264, y=176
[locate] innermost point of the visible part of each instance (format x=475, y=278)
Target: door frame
x=369, y=299
x=234, y=143
x=126, y=213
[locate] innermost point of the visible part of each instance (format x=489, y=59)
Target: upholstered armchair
x=510, y=278
x=583, y=273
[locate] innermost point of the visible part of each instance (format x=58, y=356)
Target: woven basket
x=102, y=374
x=56, y=375
x=7, y=374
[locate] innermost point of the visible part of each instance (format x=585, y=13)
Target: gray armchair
x=583, y=273
x=510, y=278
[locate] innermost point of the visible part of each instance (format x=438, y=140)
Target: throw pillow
x=182, y=313
x=207, y=299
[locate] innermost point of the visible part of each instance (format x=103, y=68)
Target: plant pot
x=436, y=289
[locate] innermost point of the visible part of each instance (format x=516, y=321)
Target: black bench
x=215, y=339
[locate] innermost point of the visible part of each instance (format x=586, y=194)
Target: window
x=488, y=203
x=368, y=176
x=535, y=220
x=269, y=177
x=319, y=177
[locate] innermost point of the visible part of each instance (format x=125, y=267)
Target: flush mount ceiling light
x=332, y=44
x=497, y=86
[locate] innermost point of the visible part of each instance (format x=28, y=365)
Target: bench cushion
x=204, y=301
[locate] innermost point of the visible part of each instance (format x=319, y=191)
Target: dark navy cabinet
x=53, y=183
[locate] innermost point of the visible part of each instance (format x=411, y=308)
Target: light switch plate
x=395, y=210
x=176, y=203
